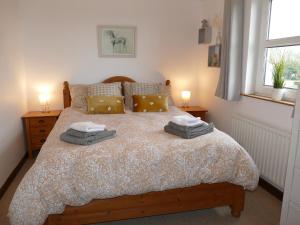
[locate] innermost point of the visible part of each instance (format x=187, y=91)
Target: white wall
x=220, y=111
x=12, y=86
x=60, y=42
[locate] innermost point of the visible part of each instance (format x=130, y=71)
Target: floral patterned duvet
x=142, y=158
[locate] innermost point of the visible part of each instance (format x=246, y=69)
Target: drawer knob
x=42, y=131
x=41, y=121
x=43, y=140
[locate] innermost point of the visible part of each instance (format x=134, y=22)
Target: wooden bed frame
x=202, y=196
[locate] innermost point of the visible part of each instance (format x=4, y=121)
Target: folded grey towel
x=191, y=130
x=191, y=134
x=102, y=136
x=198, y=127
x=81, y=134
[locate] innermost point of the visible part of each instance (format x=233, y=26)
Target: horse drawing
x=118, y=43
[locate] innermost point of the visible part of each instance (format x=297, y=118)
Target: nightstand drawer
x=196, y=111
x=41, y=122
x=38, y=140
x=198, y=114
x=41, y=130
x=36, y=147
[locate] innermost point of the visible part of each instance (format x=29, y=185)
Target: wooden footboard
x=154, y=203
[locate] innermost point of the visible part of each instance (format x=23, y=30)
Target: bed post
x=168, y=82
x=67, y=95
x=238, y=201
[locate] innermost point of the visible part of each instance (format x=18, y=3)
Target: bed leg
x=238, y=200
x=46, y=222
x=235, y=212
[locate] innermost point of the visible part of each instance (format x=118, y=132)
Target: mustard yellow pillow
x=105, y=104
x=150, y=103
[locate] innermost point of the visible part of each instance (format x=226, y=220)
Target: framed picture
x=117, y=41
x=214, y=56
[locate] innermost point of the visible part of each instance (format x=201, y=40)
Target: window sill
x=288, y=103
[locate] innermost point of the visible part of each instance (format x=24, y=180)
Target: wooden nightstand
x=196, y=111
x=37, y=127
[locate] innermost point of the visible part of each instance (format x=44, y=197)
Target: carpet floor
x=261, y=208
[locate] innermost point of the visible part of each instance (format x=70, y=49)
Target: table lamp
x=44, y=101
x=186, y=96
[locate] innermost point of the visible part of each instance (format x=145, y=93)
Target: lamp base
x=185, y=104
x=45, y=108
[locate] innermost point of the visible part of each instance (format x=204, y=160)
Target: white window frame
x=264, y=43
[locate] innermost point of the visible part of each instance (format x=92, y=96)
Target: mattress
x=140, y=159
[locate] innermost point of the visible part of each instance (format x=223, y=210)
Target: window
x=280, y=40
x=284, y=19
x=291, y=55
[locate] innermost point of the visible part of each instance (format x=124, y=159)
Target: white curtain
x=231, y=75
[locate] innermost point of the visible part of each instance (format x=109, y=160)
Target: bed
x=142, y=172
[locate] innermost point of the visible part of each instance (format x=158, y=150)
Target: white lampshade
x=44, y=99
x=186, y=96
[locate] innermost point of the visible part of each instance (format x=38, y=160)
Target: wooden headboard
x=122, y=79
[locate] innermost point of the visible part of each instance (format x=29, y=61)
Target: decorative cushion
x=78, y=94
x=105, y=104
x=150, y=103
x=101, y=89
x=131, y=89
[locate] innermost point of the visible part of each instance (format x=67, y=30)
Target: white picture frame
x=117, y=41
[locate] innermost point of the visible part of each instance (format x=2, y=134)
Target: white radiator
x=269, y=148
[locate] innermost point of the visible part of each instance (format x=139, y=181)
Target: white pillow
x=79, y=92
x=131, y=89
x=78, y=95
x=105, y=89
